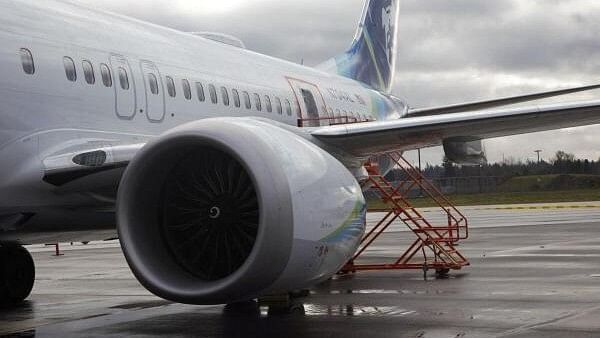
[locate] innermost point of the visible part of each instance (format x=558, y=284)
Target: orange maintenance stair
x=435, y=245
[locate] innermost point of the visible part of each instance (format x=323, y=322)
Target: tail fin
x=372, y=57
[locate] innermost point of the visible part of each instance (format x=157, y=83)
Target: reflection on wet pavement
x=528, y=281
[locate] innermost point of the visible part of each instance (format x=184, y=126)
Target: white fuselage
x=44, y=114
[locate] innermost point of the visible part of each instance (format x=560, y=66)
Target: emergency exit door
x=155, y=94
x=125, y=104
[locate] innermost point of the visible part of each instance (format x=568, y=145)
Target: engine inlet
x=210, y=214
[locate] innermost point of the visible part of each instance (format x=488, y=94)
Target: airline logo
x=388, y=20
x=371, y=58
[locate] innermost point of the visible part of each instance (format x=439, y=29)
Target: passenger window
x=106, y=76
x=278, y=106
x=247, y=100
x=27, y=61
x=187, y=90
x=268, y=104
x=257, y=102
x=213, y=94
x=171, y=86
x=200, y=92
x=153, y=83
x=123, y=78
x=70, y=69
x=236, y=98
x=88, y=72
x=298, y=110
x=288, y=107
x=225, y=95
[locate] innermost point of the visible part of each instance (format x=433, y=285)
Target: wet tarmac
x=534, y=273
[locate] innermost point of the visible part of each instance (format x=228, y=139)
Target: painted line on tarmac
x=544, y=207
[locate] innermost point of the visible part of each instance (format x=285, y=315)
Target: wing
x=363, y=139
x=479, y=105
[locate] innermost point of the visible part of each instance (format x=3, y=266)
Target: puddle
x=356, y=310
x=142, y=305
x=386, y=292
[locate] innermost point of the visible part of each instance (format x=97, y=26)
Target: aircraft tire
x=17, y=274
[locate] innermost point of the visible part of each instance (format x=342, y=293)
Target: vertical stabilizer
x=372, y=57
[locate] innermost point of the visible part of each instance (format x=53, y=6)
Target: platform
x=522, y=282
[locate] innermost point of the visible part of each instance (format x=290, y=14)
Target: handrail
x=331, y=121
x=433, y=192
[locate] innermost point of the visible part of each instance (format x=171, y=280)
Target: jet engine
x=228, y=209
x=465, y=151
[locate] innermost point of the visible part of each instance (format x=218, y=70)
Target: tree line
x=561, y=163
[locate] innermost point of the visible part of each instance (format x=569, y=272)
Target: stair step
x=432, y=229
x=442, y=240
x=440, y=237
x=412, y=219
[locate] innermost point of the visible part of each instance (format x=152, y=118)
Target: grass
x=580, y=195
x=550, y=182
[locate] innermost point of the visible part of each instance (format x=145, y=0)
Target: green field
x=581, y=195
x=550, y=183
x=526, y=189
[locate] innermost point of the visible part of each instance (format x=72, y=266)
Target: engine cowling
x=465, y=151
x=224, y=210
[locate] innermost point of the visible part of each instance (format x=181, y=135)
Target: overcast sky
x=450, y=50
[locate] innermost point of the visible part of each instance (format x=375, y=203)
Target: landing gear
x=17, y=274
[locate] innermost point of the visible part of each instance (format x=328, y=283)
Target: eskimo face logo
x=388, y=22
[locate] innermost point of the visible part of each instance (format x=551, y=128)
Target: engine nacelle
x=465, y=151
x=224, y=210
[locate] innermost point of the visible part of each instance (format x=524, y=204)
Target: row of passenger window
x=71, y=71
x=254, y=100
x=89, y=75
x=107, y=80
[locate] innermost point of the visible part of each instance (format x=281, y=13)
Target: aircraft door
x=311, y=102
x=125, y=104
x=310, y=105
x=155, y=94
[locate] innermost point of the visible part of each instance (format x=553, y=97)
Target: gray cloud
x=450, y=50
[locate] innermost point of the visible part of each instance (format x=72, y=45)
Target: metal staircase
x=435, y=246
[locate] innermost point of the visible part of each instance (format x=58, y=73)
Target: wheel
x=442, y=272
x=17, y=274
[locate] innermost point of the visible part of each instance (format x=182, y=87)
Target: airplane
x=224, y=173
